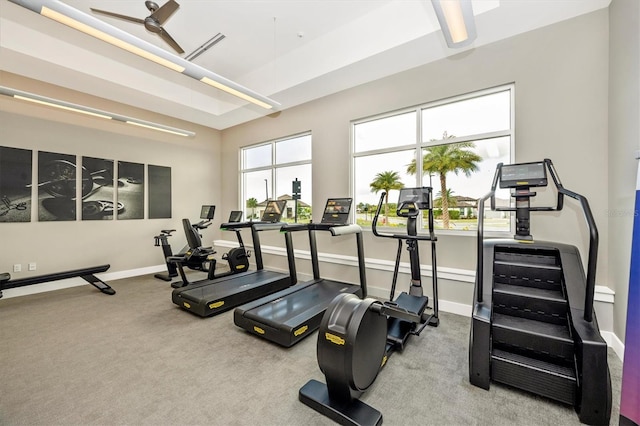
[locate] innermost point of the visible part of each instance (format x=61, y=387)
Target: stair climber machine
x=198, y=263
x=237, y=257
x=212, y=297
x=533, y=324
x=357, y=336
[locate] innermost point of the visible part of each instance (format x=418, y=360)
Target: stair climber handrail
x=593, y=238
x=562, y=191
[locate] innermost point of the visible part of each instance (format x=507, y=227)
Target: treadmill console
x=207, y=212
x=235, y=216
x=273, y=211
x=336, y=211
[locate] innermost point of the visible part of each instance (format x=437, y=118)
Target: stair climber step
x=543, y=378
x=509, y=254
x=536, y=338
x=530, y=302
x=528, y=275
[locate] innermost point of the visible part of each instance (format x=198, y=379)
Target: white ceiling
x=292, y=51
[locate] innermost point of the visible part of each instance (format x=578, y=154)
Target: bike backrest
x=193, y=238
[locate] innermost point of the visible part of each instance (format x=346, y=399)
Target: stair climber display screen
x=534, y=326
x=520, y=175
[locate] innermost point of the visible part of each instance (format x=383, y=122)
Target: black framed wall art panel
x=15, y=184
x=56, y=186
x=159, y=191
x=130, y=190
x=99, y=180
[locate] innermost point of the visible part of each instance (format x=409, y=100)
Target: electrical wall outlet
x=17, y=267
x=32, y=266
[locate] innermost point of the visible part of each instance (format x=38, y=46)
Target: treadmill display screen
x=336, y=211
x=523, y=175
x=235, y=216
x=207, y=212
x=273, y=211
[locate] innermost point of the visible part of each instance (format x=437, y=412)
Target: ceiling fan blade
x=166, y=37
x=117, y=15
x=165, y=11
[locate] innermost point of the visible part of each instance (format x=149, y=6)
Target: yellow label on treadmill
x=240, y=266
x=186, y=305
x=384, y=361
x=258, y=330
x=334, y=339
x=301, y=330
x=524, y=182
x=216, y=304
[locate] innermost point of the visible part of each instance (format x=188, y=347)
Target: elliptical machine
x=356, y=337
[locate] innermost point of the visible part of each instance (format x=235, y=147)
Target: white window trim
x=419, y=145
x=272, y=167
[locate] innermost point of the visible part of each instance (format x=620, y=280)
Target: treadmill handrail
x=293, y=227
x=267, y=226
x=345, y=230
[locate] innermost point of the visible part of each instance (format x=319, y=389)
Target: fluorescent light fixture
x=67, y=15
x=68, y=106
x=456, y=20
x=70, y=22
x=160, y=128
x=62, y=105
x=235, y=92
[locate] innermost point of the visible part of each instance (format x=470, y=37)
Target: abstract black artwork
x=130, y=190
x=98, y=179
x=159, y=192
x=56, y=187
x=15, y=184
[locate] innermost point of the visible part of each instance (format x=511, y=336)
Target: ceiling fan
x=154, y=21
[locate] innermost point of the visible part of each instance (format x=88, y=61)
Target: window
x=268, y=171
x=452, y=145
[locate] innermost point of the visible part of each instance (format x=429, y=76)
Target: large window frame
x=418, y=146
x=270, y=168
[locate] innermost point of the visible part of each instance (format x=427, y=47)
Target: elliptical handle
x=374, y=224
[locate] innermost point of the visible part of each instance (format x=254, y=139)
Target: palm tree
x=451, y=199
x=442, y=159
x=252, y=203
x=386, y=181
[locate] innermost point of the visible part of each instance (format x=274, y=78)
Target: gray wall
x=624, y=140
x=125, y=244
x=560, y=74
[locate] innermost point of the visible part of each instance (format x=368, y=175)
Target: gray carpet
x=78, y=357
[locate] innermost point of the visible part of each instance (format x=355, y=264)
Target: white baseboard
x=614, y=343
x=602, y=294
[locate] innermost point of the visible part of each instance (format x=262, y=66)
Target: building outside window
x=268, y=171
x=452, y=145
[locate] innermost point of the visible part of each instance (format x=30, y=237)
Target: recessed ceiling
x=290, y=51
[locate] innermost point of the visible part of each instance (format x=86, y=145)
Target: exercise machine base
x=355, y=413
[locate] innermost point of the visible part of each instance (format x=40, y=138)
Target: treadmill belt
x=292, y=314
x=220, y=296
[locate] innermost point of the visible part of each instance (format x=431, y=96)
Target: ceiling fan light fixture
x=456, y=20
x=67, y=15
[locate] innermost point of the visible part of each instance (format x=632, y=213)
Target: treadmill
x=288, y=316
x=211, y=297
